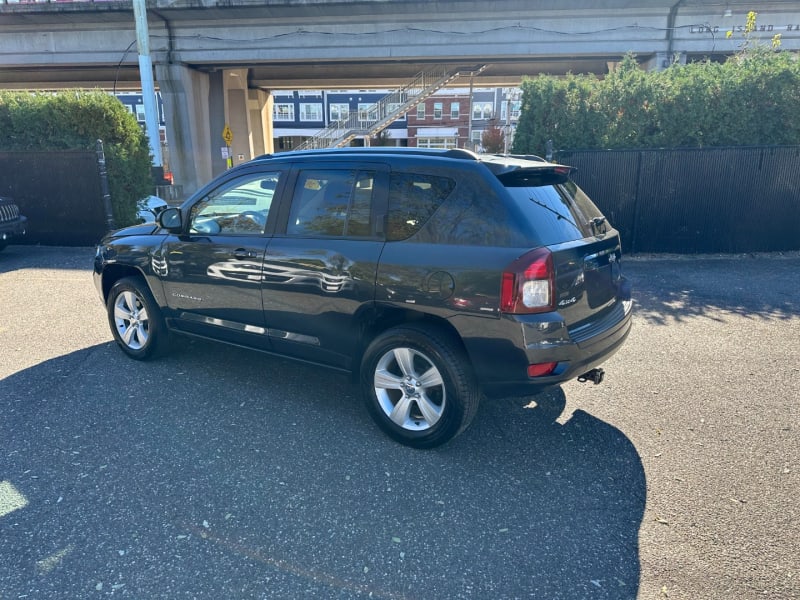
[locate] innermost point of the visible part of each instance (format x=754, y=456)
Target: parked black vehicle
x=12, y=223
x=434, y=277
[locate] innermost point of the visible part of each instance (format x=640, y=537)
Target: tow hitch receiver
x=595, y=376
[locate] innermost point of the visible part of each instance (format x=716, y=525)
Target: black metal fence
x=60, y=194
x=703, y=200
x=683, y=201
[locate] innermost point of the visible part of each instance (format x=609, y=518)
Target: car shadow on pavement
x=220, y=473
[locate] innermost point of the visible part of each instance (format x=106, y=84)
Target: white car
x=148, y=209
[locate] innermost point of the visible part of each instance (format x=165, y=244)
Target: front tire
x=418, y=386
x=135, y=319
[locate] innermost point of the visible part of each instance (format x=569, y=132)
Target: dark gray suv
x=433, y=277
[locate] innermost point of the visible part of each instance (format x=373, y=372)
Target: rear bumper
x=575, y=352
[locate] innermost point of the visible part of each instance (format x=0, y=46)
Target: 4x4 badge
x=568, y=301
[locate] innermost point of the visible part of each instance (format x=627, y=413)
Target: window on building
x=339, y=111
x=437, y=110
x=140, y=113
x=455, y=110
x=285, y=143
x=367, y=112
x=515, y=108
x=482, y=110
x=421, y=111
x=393, y=107
x=437, y=142
x=283, y=112
x=310, y=111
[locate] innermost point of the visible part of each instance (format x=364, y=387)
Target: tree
x=382, y=138
x=75, y=120
x=750, y=99
x=493, y=138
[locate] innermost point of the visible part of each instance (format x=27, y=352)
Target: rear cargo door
x=587, y=277
x=585, y=247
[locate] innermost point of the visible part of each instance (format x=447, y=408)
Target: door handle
x=243, y=254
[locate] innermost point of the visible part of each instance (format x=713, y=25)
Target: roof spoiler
x=536, y=176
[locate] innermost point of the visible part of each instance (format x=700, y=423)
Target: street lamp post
x=146, y=76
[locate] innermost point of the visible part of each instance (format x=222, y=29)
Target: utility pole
x=508, y=123
x=511, y=98
x=146, y=76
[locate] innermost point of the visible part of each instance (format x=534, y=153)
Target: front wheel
x=135, y=319
x=418, y=386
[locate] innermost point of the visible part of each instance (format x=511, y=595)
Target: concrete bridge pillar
x=248, y=113
x=237, y=115
x=260, y=106
x=186, y=95
x=197, y=108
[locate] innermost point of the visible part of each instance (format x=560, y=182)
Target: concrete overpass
x=216, y=61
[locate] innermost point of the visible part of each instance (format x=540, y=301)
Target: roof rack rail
x=451, y=153
x=458, y=153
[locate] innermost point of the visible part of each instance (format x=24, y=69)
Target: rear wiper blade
x=554, y=211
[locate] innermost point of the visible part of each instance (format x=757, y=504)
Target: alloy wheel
x=409, y=389
x=131, y=320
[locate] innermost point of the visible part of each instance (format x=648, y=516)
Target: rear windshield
x=559, y=212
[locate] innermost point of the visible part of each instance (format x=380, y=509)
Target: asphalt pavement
x=218, y=473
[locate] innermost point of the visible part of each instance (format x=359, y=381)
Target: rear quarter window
x=413, y=198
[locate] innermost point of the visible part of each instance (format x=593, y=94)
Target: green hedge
x=75, y=120
x=751, y=99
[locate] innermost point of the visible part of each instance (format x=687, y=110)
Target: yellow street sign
x=227, y=135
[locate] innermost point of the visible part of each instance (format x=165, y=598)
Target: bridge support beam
x=237, y=115
x=260, y=106
x=248, y=112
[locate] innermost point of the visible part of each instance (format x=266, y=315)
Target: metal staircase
x=388, y=109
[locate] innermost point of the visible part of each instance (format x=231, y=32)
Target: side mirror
x=170, y=219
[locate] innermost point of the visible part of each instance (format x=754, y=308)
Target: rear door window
x=332, y=202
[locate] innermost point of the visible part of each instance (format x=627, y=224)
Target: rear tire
x=418, y=386
x=135, y=319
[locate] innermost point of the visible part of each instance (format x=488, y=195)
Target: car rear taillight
x=528, y=283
